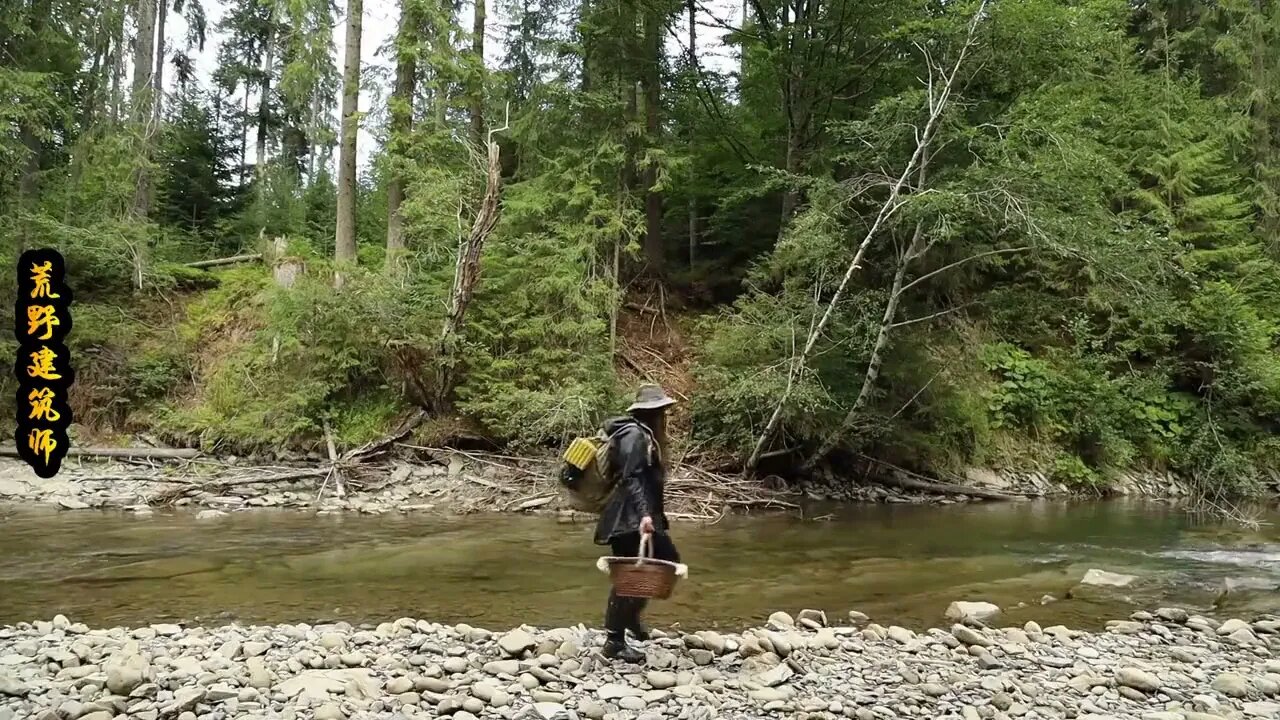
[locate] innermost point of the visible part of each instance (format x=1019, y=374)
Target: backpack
x=587, y=477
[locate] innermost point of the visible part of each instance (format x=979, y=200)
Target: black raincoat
x=640, y=477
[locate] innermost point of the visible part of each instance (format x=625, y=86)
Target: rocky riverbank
x=1163, y=666
x=462, y=482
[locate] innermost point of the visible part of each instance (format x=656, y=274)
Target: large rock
x=317, y=685
x=968, y=612
x=125, y=672
x=517, y=642
x=969, y=636
x=1104, y=578
x=1137, y=679
x=1232, y=685
x=13, y=687
x=614, y=691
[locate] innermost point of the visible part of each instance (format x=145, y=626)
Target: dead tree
x=938, y=100
x=466, y=272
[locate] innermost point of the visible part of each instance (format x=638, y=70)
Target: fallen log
x=144, y=453
x=907, y=480
x=919, y=484
x=218, y=262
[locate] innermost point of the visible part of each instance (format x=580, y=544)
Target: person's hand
x=646, y=525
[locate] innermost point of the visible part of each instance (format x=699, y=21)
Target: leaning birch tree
x=940, y=88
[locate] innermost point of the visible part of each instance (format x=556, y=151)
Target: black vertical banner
x=42, y=319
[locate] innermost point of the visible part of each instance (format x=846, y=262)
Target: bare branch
x=950, y=266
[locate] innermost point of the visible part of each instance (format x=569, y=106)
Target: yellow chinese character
x=42, y=441
x=38, y=315
x=42, y=405
x=42, y=364
x=40, y=276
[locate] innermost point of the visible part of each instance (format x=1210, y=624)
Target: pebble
x=796, y=667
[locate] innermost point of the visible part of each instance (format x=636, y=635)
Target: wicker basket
x=644, y=576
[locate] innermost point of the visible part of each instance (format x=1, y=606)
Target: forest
x=938, y=233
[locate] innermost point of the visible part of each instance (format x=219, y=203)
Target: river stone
x=768, y=695
x=900, y=635
x=1103, y=578
x=1232, y=685
x=332, y=641
x=1233, y=625
x=660, y=680
x=13, y=687
x=255, y=649
x=1176, y=615
x=125, y=672
x=969, y=636
x=551, y=711
x=812, y=617
x=781, y=621
x=934, y=689
x=1262, y=709
x=502, y=667
x=591, y=709
x=432, y=684
x=516, y=643
x=396, y=686
x=457, y=665
x=1137, y=679
x=330, y=711
x=964, y=612
x=614, y=691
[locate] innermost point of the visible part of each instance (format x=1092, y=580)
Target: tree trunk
x=798, y=362
x=264, y=102
x=345, y=239
x=1268, y=171
x=477, y=91
x=143, y=68
x=692, y=8
x=158, y=88
x=244, y=140
x=117, y=70
x=400, y=126
x=693, y=230
x=467, y=274
x=30, y=165
x=653, y=247
x=877, y=351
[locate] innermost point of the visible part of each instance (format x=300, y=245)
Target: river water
x=898, y=563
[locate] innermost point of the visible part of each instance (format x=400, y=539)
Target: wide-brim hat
x=651, y=397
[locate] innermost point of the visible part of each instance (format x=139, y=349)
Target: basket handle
x=646, y=548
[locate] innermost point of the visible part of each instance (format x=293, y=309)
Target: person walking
x=635, y=508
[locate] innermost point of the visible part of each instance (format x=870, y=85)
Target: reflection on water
x=897, y=563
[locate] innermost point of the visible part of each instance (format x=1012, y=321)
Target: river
x=899, y=564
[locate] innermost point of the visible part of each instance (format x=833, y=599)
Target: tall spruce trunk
x=344, y=248
x=244, y=139
x=477, y=91
x=400, y=127
x=264, y=103
x=143, y=69
x=158, y=84
x=654, y=251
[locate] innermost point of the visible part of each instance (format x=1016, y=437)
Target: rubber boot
x=618, y=615
x=637, y=628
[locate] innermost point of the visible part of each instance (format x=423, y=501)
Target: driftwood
x=907, y=480
x=218, y=262
x=915, y=482
x=145, y=453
